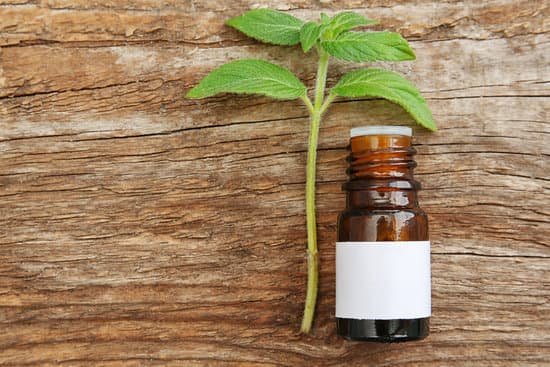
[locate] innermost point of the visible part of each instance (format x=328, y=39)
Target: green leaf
x=269, y=26
x=388, y=85
x=325, y=18
x=369, y=46
x=345, y=21
x=309, y=34
x=250, y=77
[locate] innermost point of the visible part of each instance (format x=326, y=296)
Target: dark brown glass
x=382, y=205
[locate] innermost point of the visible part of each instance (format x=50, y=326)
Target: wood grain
x=139, y=228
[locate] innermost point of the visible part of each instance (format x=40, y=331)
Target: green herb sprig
x=331, y=36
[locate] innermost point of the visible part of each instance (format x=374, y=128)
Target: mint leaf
x=325, y=18
x=369, y=46
x=309, y=34
x=345, y=21
x=269, y=26
x=250, y=77
x=388, y=85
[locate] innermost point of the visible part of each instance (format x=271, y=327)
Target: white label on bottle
x=383, y=280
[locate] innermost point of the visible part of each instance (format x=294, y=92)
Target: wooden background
x=140, y=228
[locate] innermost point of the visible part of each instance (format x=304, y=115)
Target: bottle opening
x=380, y=130
x=381, y=153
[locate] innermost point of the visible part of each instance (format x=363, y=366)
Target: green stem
x=312, y=258
x=327, y=102
x=308, y=104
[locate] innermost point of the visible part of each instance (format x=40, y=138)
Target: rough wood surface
x=139, y=228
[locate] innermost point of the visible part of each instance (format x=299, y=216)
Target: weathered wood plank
x=172, y=182
x=129, y=69
x=201, y=23
x=139, y=228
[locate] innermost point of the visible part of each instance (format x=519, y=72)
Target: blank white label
x=383, y=280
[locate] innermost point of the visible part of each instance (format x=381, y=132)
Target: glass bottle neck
x=376, y=198
x=381, y=172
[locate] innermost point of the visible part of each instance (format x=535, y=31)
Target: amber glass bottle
x=383, y=290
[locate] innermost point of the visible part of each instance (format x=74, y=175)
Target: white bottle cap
x=380, y=130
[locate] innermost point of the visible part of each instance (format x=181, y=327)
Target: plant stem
x=308, y=104
x=327, y=102
x=312, y=258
